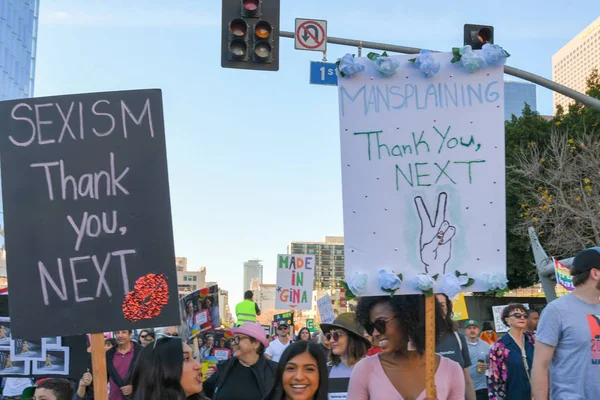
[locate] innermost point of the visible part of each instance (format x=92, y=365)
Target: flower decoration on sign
x=389, y=281
x=385, y=65
x=452, y=284
x=425, y=283
x=497, y=284
x=147, y=299
x=356, y=285
x=347, y=66
x=425, y=61
x=494, y=54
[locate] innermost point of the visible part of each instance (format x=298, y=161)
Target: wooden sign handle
x=99, y=372
x=430, y=390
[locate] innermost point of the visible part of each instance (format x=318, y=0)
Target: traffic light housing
x=250, y=34
x=478, y=35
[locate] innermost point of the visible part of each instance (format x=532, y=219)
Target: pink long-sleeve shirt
x=369, y=381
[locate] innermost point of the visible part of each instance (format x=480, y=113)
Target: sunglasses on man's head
x=519, y=315
x=380, y=324
x=335, y=335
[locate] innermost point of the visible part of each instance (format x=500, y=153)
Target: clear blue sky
x=254, y=156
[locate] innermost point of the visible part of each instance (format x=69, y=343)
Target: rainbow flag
x=563, y=276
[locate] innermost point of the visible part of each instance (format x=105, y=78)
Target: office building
x=516, y=94
x=188, y=281
x=252, y=269
x=329, y=259
x=265, y=296
x=573, y=64
x=18, y=41
x=224, y=310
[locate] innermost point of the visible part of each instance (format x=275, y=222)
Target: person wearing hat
x=489, y=334
x=247, y=375
x=50, y=389
x=279, y=345
x=566, y=364
x=479, y=352
x=348, y=346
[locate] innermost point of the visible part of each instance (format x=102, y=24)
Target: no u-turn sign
x=310, y=34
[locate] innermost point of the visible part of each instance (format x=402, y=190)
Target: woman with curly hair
x=398, y=324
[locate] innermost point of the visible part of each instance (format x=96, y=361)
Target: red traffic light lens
x=250, y=5
x=262, y=51
x=238, y=28
x=263, y=30
x=238, y=48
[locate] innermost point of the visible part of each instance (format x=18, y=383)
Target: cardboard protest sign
x=283, y=318
x=497, y=313
x=423, y=173
x=326, y=309
x=295, y=277
x=87, y=210
x=200, y=311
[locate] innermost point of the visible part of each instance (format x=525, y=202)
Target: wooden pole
x=430, y=390
x=99, y=372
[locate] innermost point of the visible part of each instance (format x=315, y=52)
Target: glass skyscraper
x=18, y=40
x=516, y=94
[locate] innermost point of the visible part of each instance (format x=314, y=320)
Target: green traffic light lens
x=238, y=48
x=262, y=51
x=238, y=28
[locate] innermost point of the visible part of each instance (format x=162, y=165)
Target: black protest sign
x=89, y=237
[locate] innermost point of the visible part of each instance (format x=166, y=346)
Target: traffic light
x=250, y=34
x=478, y=35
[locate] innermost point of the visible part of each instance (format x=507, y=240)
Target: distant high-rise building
x=265, y=298
x=329, y=259
x=516, y=94
x=252, y=269
x=18, y=42
x=572, y=65
x=189, y=281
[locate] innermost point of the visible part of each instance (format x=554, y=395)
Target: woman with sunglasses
x=348, y=346
x=166, y=370
x=248, y=374
x=398, y=324
x=511, y=357
x=301, y=374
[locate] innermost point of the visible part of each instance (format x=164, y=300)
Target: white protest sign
x=325, y=309
x=423, y=173
x=497, y=312
x=295, y=277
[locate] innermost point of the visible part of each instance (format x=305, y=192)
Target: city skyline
x=258, y=165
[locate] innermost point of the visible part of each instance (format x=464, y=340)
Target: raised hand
x=435, y=242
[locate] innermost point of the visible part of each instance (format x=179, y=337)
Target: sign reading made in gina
x=423, y=173
x=295, y=277
x=89, y=238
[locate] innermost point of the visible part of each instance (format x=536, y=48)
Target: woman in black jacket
x=248, y=375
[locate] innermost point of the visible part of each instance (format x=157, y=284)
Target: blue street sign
x=322, y=73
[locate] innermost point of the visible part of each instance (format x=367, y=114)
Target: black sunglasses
x=519, y=315
x=380, y=324
x=281, y=327
x=335, y=335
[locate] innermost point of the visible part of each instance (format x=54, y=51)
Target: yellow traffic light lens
x=238, y=28
x=238, y=48
x=262, y=50
x=251, y=5
x=263, y=30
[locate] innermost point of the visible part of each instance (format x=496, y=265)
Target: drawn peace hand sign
x=435, y=243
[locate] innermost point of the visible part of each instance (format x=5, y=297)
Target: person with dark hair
x=247, y=310
x=146, y=336
x=120, y=361
x=301, y=374
x=511, y=357
x=454, y=345
x=532, y=322
x=281, y=343
x=398, y=325
x=206, y=350
x=567, y=351
x=488, y=334
x=50, y=389
x=109, y=344
x=348, y=346
x=247, y=374
x=166, y=370
x=304, y=334
x=213, y=312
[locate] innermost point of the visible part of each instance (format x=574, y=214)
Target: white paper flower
x=451, y=285
x=494, y=281
x=424, y=282
x=358, y=283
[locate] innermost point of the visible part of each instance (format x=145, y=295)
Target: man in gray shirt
x=566, y=364
x=479, y=352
